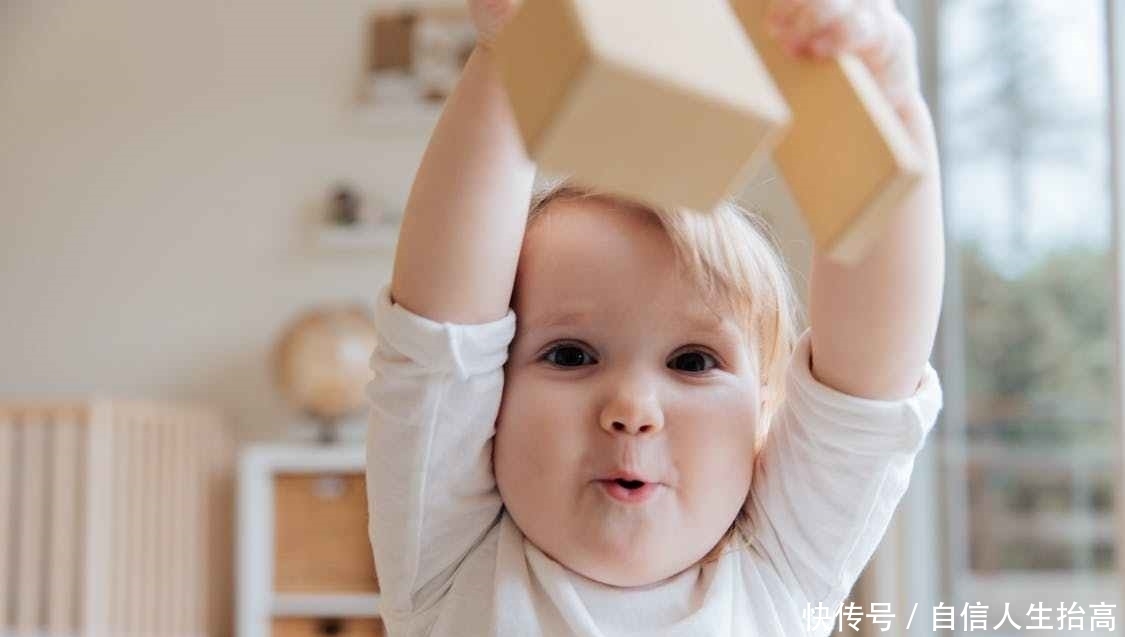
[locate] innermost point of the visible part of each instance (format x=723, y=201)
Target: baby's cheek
x=528, y=414
x=716, y=436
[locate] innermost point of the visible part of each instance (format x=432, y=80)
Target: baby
x=652, y=448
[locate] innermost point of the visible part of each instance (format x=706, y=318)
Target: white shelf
x=265, y=459
x=390, y=106
x=325, y=605
x=410, y=120
x=361, y=238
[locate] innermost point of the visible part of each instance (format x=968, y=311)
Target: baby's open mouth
x=630, y=484
x=632, y=492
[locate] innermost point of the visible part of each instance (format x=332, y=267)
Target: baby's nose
x=633, y=429
x=633, y=413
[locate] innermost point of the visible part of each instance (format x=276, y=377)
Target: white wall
x=156, y=161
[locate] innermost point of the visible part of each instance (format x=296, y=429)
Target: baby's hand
x=489, y=16
x=874, y=30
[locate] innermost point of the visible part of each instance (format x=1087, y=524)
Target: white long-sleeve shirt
x=451, y=561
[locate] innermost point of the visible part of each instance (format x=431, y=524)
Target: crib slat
x=147, y=527
x=31, y=525
x=134, y=505
x=161, y=532
x=214, y=525
x=81, y=524
x=64, y=529
x=98, y=607
x=7, y=516
x=120, y=560
x=179, y=549
x=193, y=576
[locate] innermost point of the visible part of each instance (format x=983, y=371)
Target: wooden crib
x=115, y=520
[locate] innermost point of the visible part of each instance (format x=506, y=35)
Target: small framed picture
x=415, y=53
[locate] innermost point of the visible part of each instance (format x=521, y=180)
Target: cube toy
x=665, y=102
x=847, y=158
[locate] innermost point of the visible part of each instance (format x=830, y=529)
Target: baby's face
x=618, y=364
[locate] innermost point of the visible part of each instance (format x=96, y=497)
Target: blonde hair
x=733, y=257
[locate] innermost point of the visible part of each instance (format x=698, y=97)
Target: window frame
x=1115, y=83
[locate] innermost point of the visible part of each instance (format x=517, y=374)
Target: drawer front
x=326, y=626
x=320, y=534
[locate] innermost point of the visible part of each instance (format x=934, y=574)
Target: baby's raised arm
x=443, y=332
x=464, y=221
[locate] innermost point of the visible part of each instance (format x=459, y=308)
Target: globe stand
x=327, y=431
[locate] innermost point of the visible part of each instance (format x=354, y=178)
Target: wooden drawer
x=321, y=627
x=320, y=535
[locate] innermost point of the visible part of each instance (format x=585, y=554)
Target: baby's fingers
x=857, y=31
x=489, y=16
x=796, y=21
x=874, y=30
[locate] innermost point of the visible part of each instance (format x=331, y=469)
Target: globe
x=321, y=363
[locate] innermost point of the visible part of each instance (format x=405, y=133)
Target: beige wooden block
x=664, y=102
x=847, y=157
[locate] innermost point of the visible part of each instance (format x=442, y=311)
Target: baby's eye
x=693, y=362
x=568, y=356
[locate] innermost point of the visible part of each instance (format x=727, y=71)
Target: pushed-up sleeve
x=431, y=493
x=830, y=475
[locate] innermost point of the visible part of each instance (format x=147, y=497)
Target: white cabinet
x=304, y=561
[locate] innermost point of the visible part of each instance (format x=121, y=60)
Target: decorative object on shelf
x=320, y=364
x=414, y=56
x=350, y=222
x=115, y=519
x=345, y=207
x=304, y=560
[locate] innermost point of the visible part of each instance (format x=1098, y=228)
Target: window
x=1028, y=442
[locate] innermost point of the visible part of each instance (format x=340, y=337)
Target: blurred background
x=197, y=195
